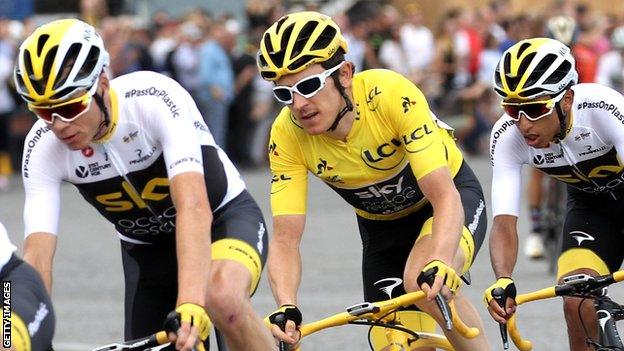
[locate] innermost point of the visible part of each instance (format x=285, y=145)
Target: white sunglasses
x=307, y=87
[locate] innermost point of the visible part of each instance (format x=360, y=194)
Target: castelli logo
x=87, y=151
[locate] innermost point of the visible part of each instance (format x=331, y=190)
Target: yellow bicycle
x=392, y=328
x=584, y=286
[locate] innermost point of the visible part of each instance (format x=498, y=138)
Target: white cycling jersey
x=6, y=247
x=588, y=158
x=157, y=132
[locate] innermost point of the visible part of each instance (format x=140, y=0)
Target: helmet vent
x=529, y=93
x=522, y=48
x=89, y=63
x=302, y=40
x=301, y=61
x=560, y=73
x=540, y=69
x=326, y=37
x=61, y=93
x=68, y=64
x=280, y=23
x=41, y=43
x=47, y=63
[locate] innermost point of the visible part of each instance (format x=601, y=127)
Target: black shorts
x=592, y=232
x=30, y=304
x=151, y=270
x=387, y=244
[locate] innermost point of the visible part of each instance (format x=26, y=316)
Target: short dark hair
x=335, y=60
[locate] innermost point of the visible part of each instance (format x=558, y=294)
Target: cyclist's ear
x=345, y=74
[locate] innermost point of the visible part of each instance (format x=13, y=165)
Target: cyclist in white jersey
x=193, y=239
x=31, y=320
x=575, y=133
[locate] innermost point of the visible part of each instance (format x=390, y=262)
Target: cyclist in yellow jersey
x=372, y=138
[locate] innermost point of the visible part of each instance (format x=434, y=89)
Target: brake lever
x=280, y=321
x=446, y=311
x=499, y=296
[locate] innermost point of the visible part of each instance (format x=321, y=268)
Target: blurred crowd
x=213, y=57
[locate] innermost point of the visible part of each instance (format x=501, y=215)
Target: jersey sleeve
x=506, y=148
x=176, y=120
x=289, y=181
x=42, y=175
x=612, y=124
x=408, y=112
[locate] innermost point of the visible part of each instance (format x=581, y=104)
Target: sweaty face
x=317, y=113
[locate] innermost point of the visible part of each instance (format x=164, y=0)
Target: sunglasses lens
x=309, y=86
x=68, y=112
x=535, y=111
x=282, y=94
x=512, y=110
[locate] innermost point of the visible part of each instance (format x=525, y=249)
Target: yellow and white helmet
x=297, y=41
x=534, y=67
x=58, y=59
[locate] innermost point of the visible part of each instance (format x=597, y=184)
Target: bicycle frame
x=147, y=342
x=379, y=314
x=580, y=285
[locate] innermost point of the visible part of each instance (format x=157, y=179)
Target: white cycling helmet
x=562, y=28
x=58, y=59
x=534, y=67
x=617, y=38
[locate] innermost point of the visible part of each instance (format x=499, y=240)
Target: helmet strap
x=348, y=104
x=562, y=122
x=106, y=120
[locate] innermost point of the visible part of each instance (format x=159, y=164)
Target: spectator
x=216, y=81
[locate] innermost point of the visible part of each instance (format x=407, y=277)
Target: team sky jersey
x=395, y=140
x=588, y=158
x=157, y=132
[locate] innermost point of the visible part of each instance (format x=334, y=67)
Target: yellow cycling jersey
x=394, y=141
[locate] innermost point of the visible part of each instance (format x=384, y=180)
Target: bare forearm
x=448, y=222
x=284, y=264
x=193, y=253
x=39, y=251
x=503, y=248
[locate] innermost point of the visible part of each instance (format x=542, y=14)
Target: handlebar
x=156, y=339
x=579, y=285
x=375, y=311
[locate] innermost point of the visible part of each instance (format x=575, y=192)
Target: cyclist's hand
x=285, y=322
x=188, y=326
x=506, y=290
x=437, y=277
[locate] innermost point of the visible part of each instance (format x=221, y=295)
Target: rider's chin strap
x=562, y=122
x=106, y=122
x=348, y=104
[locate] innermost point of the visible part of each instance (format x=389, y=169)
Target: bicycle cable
x=588, y=340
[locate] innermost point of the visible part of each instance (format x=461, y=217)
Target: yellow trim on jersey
x=242, y=252
x=393, y=129
x=114, y=118
x=466, y=243
x=20, y=338
x=580, y=258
